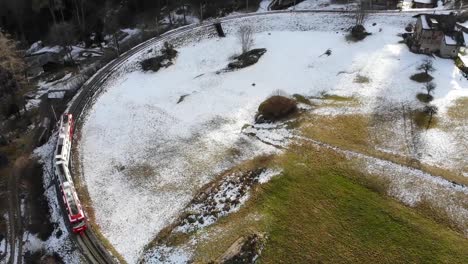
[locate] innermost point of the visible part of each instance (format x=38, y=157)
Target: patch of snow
x=167, y=255
x=51, y=49
x=425, y=25
x=321, y=5
x=34, y=47
x=3, y=246
x=277, y=135
x=267, y=175
x=449, y=40
x=31, y=243
x=263, y=6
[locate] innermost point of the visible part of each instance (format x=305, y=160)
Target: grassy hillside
x=319, y=212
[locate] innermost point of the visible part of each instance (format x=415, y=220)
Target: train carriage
x=62, y=173
x=73, y=206
x=63, y=148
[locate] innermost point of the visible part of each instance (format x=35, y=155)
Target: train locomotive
x=72, y=204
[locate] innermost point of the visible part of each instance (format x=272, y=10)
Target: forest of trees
x=30, y=20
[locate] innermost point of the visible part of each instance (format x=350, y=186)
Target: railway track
x=88, y=242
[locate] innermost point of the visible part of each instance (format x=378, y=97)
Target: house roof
x=463, y=26
x=445, y=23
x=425, y=25
x=56, y=95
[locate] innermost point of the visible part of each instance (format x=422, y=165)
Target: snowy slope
x=144, y=155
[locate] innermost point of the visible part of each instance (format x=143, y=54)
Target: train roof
x=72, y=201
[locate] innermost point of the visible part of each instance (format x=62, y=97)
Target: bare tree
x=429, y=87
x=430, y=110
x=426, y=66
x=111, y=26
x=12, y=79
x=245, y=36
x=63, y=34
x=360, y=15
x=80, y=14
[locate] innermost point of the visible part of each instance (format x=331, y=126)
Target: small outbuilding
x=450, y=46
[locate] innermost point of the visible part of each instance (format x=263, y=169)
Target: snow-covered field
x=144, y=155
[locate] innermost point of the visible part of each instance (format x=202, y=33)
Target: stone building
x=436, y=34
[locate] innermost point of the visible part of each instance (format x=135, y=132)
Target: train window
x=79, y=224
x=60, y=146
x=61, y=169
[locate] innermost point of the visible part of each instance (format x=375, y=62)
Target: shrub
x=151, y=64
x=275, y=108
x=245, y=36
x=165, y=60
x=246, y=59
x=358, y=33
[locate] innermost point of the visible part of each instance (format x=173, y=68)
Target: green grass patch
x=421, y=77
x=319, y=214
x=349, y=131
x=424, y=98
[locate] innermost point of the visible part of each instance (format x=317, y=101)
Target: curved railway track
x=88, y=242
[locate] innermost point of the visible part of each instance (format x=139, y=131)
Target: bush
x=165, y=60
x=275, y=108
x=151, y=64
x=246, y=59
x=359, y=32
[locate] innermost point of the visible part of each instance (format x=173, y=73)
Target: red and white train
x=72, y=204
